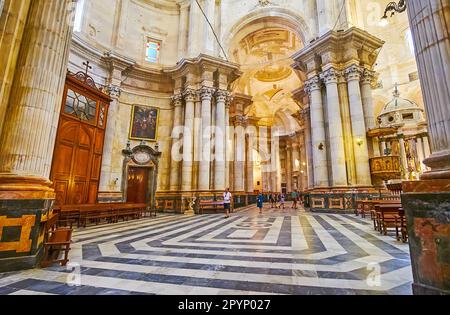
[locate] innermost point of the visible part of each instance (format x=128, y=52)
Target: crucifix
x=88, y=67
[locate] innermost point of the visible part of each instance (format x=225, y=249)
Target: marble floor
x=280, y=252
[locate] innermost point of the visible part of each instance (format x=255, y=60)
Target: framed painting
x=144, y=123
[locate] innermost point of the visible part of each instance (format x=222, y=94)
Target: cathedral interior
x=125, y=123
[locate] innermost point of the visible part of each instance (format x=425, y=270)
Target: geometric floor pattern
x=279, y=252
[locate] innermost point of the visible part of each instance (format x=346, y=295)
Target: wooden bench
x=56, y=240
x=82, y=215
x=400, y=222
x=386, y=217
x=210, y=206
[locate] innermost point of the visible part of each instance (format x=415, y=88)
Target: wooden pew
x=386, y=217
x=56, y=240
x=211, y=206
x=401, y=226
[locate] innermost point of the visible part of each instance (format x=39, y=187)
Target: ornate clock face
x=142, y=157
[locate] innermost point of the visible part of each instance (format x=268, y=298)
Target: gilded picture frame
x=144, y=123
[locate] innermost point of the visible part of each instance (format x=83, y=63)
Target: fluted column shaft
x=220, y=136
x=188, y=140
x=338, y=169
x=309, y=158
x=404, y=160
x=420, y=154
x=429, y=21
x=363, y=176
x=29, y=131
x=239, y=155
x=289, y=173
x=205, y=161
x=369, y=111
x=318, y=133
x=175, y=183
x=250, y=164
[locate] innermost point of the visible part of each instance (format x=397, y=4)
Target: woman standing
x=260, y=202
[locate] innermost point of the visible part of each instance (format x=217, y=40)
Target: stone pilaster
x=239, y=154
x=338, y=169
x=363, y=177
x=309, y=159
x=313, y=87
x=29, y=132
x=289, y=168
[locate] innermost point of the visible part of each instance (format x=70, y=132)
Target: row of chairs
x=386, y=214
x=82, y=215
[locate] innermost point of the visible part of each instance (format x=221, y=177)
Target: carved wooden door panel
x=78, y=151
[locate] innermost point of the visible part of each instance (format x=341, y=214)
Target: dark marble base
x=22, y=225
x=428, y=216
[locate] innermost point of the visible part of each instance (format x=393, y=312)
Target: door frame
x=141, y=156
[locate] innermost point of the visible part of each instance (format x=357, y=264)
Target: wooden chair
x=56, y=240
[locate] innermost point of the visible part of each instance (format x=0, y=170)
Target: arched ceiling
x=268, y=76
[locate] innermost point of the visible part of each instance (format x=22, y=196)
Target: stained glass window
x=153, y=49
x=81, y=106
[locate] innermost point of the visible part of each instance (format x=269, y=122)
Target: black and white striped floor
x=280, y=252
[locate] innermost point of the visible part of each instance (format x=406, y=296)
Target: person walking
x=294, y=197
x=282, y=200
x=227, y=202
x=260, y=202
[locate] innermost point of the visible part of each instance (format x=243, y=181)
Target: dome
x=400, y=111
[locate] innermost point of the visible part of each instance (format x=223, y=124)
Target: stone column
x=289, y=174
x=175, y=183
x=229, y=144
x=12, y=23
x=369, y=113
x=403, y=158
x=338, y=169
x=383, y=147
x=220, y=136
x=205, y=161
x=426, y=201
x=426, y=145
x=420, y=154
x=319, y=153
x=239, y=156
x=197, y=141
x=308, y=149
x=188, y=140
x=250, y=164
x=430, y=27
x=363, y=177
x=29, y=131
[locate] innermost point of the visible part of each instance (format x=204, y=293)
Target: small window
x=408, y=116
x=152, y=51
x=80, y=106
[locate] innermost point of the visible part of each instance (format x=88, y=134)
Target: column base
x=25, y=205
x=427, y=208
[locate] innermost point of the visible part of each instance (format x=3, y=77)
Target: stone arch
x=275, y=15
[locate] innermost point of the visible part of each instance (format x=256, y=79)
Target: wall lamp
x=394, y=8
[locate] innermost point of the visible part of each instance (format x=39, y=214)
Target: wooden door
x=78, y=151
x=138, y=180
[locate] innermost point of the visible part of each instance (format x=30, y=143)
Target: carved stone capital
x=177, y=100
x=353, y=73
x=114, y=91
x=190, y=95
x=330, y=76
x=222, y=96
x=206, y=93
x=313, y=84
x=368, y=76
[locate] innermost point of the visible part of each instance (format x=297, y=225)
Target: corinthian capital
x=330, y=76
x=177, y=100
x=354, y=72
x=222, y=96
x=114, y=91
x=206, y=93
x=190, y=95
x=368, y=76
x=313, y=84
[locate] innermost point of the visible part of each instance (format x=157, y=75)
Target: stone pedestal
x=427, y=209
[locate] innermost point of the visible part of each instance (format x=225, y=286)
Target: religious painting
x=144, y=123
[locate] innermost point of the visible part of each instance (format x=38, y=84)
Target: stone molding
x=330, y=76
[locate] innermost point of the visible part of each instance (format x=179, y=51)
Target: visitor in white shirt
x=227, y=202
